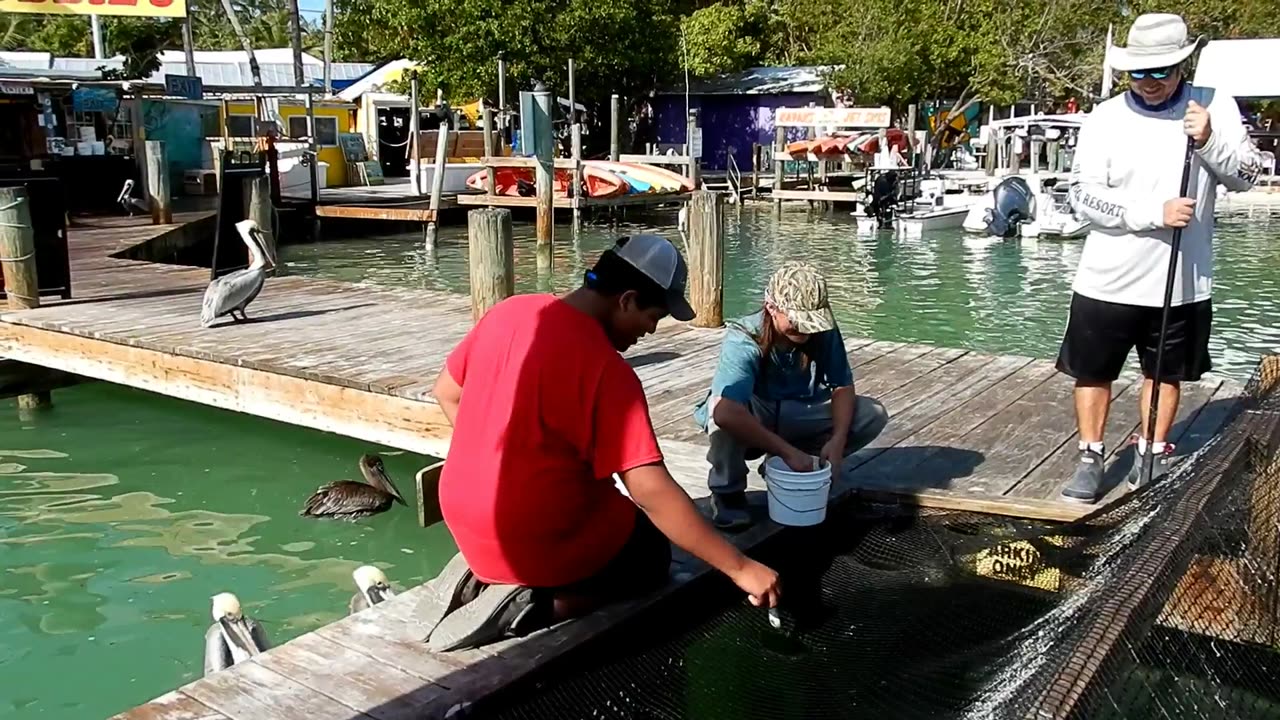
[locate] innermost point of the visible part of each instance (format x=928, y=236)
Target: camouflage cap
x=800, y=292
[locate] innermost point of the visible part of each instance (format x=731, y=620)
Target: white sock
x=1094, y=446
x=1157, y=447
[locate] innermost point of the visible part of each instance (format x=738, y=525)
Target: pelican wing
x=231, y=291
x=346, y=499
x=216, y=654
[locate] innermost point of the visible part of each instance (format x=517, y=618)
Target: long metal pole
x=189, y=46
x=295, y=40
x=95, y=27
x=328, y=47
x=415, y=154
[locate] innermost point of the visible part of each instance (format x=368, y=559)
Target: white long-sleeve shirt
x=1127, y=164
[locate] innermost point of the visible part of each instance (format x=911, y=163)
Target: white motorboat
x=932, y=208
x=1046, y=211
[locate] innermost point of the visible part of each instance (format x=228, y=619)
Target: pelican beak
x=267, y=252
x=377, y=475
x=377, y=593
x=238, y=635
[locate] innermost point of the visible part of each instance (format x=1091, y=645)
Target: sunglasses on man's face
x=1154, y=73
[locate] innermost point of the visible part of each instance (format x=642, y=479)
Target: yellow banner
x=138, y=8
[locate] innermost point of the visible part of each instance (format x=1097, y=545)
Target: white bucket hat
x=1156, y=40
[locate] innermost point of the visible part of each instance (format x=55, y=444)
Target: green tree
x=727, y=37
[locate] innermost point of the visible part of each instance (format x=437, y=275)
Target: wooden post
x=313, y=149
x=543, y=140
x=615, y=146
x=158, y=183
x=486, y=117
x=911, y=134
x=706, y=257
x=691, y=131
x=779, y=164
x=257, y=191
x=577, y=178
x=415, y=152
x=138, y=126
x=756, y=153
x=18, y=249
x=492, y=253
x=437, y=178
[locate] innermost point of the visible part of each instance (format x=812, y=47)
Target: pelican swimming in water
x=234, y=291
x=373, y=586
x=350, y=500
x=232, y=638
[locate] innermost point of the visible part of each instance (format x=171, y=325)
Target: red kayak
x=520, y=181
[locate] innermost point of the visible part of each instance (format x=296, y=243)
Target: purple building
x=736, y=109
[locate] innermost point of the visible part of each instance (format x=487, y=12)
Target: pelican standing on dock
x=234, y=291
x=232, y=638
x=373, y=588
x=351, y=500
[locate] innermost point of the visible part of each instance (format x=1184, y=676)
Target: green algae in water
x=123, y=512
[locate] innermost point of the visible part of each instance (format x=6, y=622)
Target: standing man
x=545, y=413
x=1126, y=179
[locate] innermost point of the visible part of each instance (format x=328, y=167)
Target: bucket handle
x=785, y=505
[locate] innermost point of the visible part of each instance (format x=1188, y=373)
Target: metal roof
x=224, y=68
x=804, y=79
x=1241, y=68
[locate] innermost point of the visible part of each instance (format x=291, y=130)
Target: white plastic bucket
x=797, y=499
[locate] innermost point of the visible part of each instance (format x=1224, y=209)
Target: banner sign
x=137, y=8
x=88, y=99
x=184, y=86
x=819, y=116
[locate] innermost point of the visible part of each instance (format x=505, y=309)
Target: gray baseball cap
x=660, y=261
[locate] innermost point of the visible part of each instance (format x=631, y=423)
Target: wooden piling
x=257, y=191
x=486, y=118
x=779, y=164
x=492, y=258
x=437, y=178
x=706, y=257
x=693, y=146
x=18, y=249
x=911, y=134
x=577, y=177
x=544, y=143
x=415, y=151
x=615, y=146
x=158, y=194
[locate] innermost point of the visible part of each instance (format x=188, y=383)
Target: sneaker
x=500, y=611
x=1087, y=480
x=1158, y=464
x=729, y=510
x=454, y=587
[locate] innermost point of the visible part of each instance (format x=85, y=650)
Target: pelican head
x=251, y=233
x=240, y=638
x=376, y=475
x=372, y=583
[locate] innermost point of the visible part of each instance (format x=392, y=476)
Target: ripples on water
x=947, y=288
x=122, y=513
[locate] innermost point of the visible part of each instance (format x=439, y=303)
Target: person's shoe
x=500, y=611
x=729, y=510
x=454, y=587
x=1087, y=480
x=1159, y=466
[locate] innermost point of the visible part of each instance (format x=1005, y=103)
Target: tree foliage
x=726, y=37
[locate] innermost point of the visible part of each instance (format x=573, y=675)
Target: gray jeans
x=806, y=425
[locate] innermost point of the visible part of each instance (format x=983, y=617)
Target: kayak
x=520, y=181
x=662, y=179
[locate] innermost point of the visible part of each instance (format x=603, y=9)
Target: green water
x=122, y=513
x=945, y=289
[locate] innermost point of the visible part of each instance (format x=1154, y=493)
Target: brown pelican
x=234, y=291
x=373, y=586
x=350, y=500
x=233, y=637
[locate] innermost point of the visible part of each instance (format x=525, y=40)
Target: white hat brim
x=1121, y=60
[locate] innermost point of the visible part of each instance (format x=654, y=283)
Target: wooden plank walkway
x=968, y=430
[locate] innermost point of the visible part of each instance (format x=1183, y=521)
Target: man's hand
x=1196, y=124
x=759, y=582
x=833, y=452
x=798, y=460
x=1178, y=212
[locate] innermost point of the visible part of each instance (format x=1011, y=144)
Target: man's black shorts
x=642, y=565
x=1100, y=335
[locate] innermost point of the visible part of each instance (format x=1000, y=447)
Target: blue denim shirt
x=738, y=375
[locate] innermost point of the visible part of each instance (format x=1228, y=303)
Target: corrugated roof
x=803, y=79
x=33, y=60
x=226, y=68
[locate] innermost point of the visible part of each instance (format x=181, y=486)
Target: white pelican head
x=236, y=632
x=372, y=583
x=251, y=234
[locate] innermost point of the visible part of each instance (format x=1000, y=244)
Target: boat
x=910, y=206
x=1036, y=206
x=662, y=180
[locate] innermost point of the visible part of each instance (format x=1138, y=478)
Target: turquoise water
x=122, y=513
x=946, y=288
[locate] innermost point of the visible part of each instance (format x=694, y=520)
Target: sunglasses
x=1154, y=74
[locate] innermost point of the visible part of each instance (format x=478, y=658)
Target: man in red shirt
x=545, y=413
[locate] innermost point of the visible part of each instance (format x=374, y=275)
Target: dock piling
x=779, y=164
x=615, y=147
x=577, y=178
x=18, y=258
x=544, y=144
x=492, y=252
x=258, y=192
x=706, y=257
x=693, y=147
x=415, y=151
x=486, y=118
x=158, y=183
x=437, y=177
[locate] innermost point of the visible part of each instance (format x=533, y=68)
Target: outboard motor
x=1013, y=204
x=884, y=199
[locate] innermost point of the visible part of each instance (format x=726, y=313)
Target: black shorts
x=1100, y=335
x=642, y=565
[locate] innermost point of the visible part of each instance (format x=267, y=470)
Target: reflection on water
x=114, y=536
x=947, y=288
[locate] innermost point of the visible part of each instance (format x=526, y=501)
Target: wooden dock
x=968, y=430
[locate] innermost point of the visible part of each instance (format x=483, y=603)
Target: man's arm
x=1228, y=153
x=653, y=489
x=736, y=419
x=1092, y=195
x=448, y=394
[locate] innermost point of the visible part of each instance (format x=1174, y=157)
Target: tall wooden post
x=779, y=164
x=578, y=199
x=486, y=117
x=911, y=134
x=18, y=258
x=492, y=257
x=437, y=178
x=257, y=192
x=543, y=140
x=415, y=151
x=706, y=257
x=158, y=183
x=615, y=145
x=693, y=147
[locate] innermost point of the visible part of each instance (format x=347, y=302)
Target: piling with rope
x=18, y=260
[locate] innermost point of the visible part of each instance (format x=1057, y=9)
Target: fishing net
x=1165, y=605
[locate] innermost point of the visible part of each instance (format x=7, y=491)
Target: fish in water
x=232, y=638
x=351, y=500
x=373, y=588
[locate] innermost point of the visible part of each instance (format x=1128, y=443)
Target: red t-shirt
x=549, y=412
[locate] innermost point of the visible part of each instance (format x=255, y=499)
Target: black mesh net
x=1164, y=605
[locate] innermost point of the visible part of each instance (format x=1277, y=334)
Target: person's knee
x=877, y=416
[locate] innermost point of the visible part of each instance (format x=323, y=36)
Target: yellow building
x=331, y=116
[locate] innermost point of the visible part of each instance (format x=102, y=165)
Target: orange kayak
x=520, y=181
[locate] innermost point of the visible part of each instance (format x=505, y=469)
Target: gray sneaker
x=729, y=511
x=1087, y=480
x=1158, y=464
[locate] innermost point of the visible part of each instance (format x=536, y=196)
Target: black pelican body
x=373, y=588
x=233, y=292
x=351, y=500
x=232, y=638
